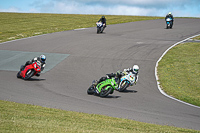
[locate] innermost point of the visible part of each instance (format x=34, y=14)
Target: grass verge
x=22, y=25
x=196, y=38
x=179, y=72
x=21, y=118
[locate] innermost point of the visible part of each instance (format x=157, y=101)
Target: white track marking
x=158, y=83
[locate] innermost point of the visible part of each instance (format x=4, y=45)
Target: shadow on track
x=34, y=79
x=129, y=91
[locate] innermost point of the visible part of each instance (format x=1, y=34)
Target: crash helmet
x=43, y=58
x=103, y=17
x=169, y=13
x=135, y=68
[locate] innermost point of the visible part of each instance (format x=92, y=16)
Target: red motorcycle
x=29, y=71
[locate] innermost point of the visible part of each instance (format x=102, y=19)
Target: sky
x=179, y=8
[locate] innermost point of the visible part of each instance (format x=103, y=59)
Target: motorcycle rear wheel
x=105, y=93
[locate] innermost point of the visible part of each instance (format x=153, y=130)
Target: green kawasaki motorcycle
x=103, y=88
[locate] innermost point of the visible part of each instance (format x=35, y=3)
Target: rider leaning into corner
x=103, y=20
x=40, y=59
x=119, y=74
x=169, y=15
x=134, y=70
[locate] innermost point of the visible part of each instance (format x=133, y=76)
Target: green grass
x=22, y=25
x=20, y=118
x=179, y=72
x=196, y=38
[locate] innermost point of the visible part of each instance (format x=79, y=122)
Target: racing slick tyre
x=29, y=74
x=98, y=30
x=18, y=74
x=124, y=85
x=90, y=90
x=104, y=92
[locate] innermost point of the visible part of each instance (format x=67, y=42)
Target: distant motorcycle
x=103, y=88
x=169, y=23
x=126, y=81
x=100, y=27
x=29, y=71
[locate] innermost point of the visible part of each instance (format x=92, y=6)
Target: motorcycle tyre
x=123, y=88
x=90, y=90
x=98, y=30
x=18, y=74
x=30, y=75
x=105, y=93
x=102, y=30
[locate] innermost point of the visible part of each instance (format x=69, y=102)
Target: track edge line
x=158, y=83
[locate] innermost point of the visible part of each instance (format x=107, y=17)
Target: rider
x=134, y=70
x=103, y=20
x=169, y=15
x=118, y=75
x=41, y=59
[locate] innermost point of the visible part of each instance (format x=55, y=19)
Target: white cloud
x=11, y=9
x=119, y=7
x=187, y=8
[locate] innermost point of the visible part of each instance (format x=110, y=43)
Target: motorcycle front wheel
x=90, y=90
x=123, y=86
x=29, y=74
x=104, y=92
x=18, y=74
x=98, y=30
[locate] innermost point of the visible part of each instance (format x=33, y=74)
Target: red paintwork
x=31, y=66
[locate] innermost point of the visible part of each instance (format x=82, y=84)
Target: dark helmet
x=103, y=17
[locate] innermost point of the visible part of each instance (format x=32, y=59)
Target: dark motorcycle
x=169, y=23
x=100, y=27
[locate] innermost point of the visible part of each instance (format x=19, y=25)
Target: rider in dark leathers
x=103, y=20
x=118, y=75
x=169, y=15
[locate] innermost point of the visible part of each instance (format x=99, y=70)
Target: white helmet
x=135, y=68
x=43, y=58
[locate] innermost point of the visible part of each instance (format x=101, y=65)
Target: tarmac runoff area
x=14, y=59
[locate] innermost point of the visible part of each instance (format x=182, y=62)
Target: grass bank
x=21, y=118
x=22, y=25
x=179, y=72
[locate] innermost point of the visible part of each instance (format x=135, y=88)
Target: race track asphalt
x=90, y=56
